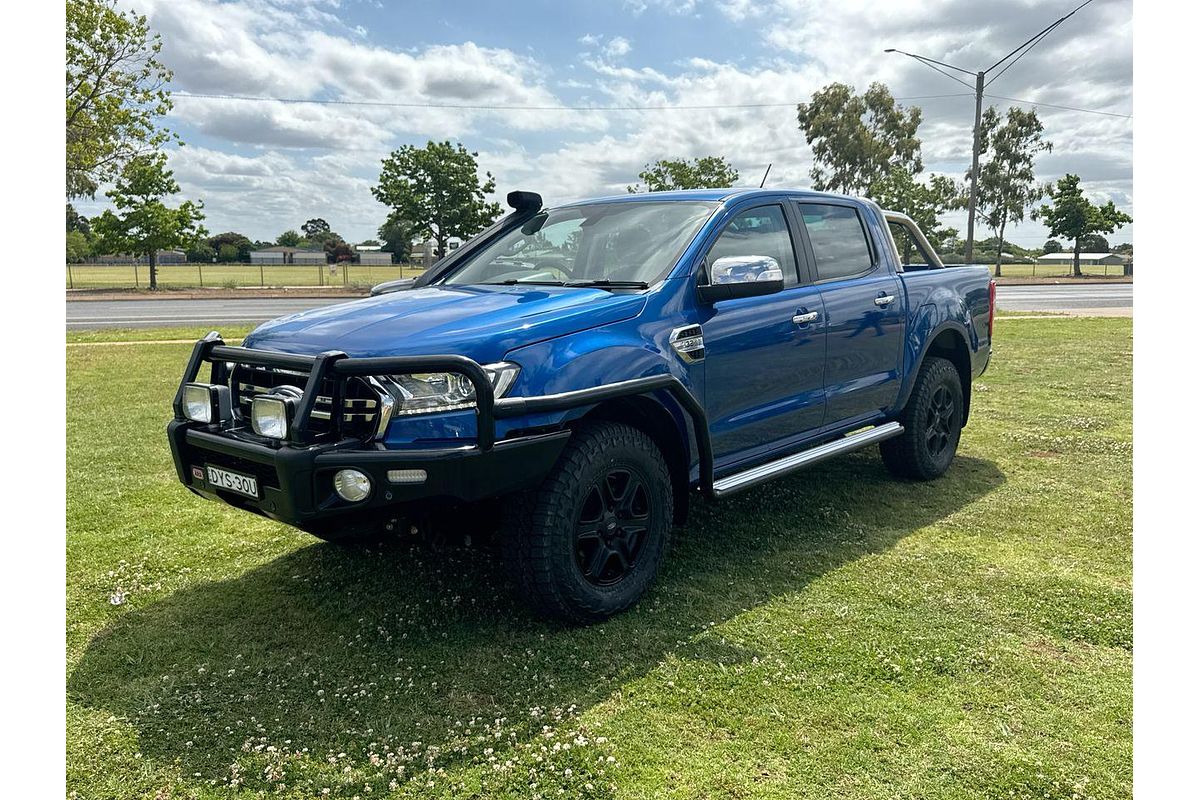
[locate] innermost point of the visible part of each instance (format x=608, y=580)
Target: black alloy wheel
x=612, y=527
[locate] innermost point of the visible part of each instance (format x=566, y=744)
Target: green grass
x=834, y=634
x=108, y=335
x=178, y=276
x=1055, y=270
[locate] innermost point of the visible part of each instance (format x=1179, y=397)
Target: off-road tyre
x=932, y=421
x=548, y=536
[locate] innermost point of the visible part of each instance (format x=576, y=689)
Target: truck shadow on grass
x=329, y=650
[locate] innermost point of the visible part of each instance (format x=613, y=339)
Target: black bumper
x=295, y=484
x=295, y=476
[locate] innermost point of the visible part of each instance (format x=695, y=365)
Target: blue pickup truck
x=594, y=365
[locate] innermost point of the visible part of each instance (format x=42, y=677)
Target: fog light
x=351, y=485
x=269, y=416
x=406, y=475
x=206, y=402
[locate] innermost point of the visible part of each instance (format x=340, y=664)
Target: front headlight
x=431, y=392
x=207, y=403
x=269, y=416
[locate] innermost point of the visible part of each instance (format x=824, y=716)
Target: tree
x=703, y=173
x=1052, y=246
x=1072, y=216
x=201, y=252
x=900, y=191
x=315, y=229
x=77, y=221
x=1093, y=243
x=338, y=251
x=116, y=93
x=227, y=253
x=438, y=190
x=78, y=247
x=1007, y=185
x=858, y=139
x=396, y=234
x=288, y=238
x=143, y=224
x=370, y=243
x=240, y=242
x=1124, y=248
x=318, y=236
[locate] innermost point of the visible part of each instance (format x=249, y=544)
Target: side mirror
x=741, y=276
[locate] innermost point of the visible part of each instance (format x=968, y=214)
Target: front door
x=764, y=356
x=864, y=308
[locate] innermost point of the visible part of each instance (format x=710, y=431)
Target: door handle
x=804, y=319
x=884, y=299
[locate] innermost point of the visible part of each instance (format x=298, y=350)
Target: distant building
x=1093, y=259
x=372, y=255
x=375, y=259
x=281, y=254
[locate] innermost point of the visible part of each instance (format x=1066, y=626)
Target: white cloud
x=296, y=160
x=676, y=7
x=617, y=47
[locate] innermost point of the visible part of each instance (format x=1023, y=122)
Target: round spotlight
x=351, y=485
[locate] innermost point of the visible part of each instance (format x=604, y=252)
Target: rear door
x=764, y=356
x=864, y=310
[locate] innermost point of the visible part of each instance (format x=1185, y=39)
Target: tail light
x=991, y=307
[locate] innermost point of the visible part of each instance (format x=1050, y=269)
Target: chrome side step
x=806, y=458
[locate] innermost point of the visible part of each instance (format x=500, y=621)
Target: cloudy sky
x=496, y=77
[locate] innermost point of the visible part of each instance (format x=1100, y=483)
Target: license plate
x=232, y=481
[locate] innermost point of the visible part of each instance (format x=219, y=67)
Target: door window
x=839, y=242
x=760, y=231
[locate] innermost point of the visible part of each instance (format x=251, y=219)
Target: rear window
x=838, y=240
x=912, y=255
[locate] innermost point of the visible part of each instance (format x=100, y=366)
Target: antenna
x=763, y=182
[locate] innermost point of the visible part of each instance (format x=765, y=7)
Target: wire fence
x=232, y=276
x=1012, y=270
x=274, y=276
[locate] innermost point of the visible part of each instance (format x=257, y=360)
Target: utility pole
x=975, y=148
x=981, y=81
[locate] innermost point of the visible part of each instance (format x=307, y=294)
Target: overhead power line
x=1033, y=41
x=598, y=109
x=981, y=81
x=1063, y=108
x=505, y=107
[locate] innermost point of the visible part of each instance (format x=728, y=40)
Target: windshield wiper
x=605, y=283
x=519, y=282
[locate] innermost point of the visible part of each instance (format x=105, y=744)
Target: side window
x=838, y=240
x=760, y=231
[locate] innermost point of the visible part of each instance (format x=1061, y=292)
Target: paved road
x=1050, y=297
x=93, y=314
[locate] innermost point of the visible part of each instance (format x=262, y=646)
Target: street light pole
x=980, y=82
x=970, y=248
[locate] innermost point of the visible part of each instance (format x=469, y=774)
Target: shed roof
x=1089, y=256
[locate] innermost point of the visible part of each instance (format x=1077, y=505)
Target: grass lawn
x=835, y=634
x=120, y=276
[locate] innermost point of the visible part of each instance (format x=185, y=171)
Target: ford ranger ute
x=593, y=365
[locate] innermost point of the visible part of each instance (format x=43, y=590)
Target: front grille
x=359, y=415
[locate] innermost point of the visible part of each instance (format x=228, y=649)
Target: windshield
x=614, y=244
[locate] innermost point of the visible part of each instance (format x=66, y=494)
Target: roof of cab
x=708, y=195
